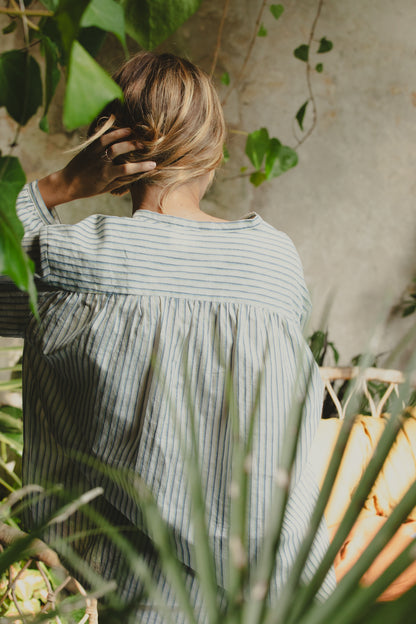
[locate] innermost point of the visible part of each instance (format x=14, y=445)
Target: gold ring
x=105, y=156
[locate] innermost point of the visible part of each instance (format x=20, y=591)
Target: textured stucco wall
x=349, y=204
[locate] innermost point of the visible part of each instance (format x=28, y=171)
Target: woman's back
x=154, y=325
x=142, y=322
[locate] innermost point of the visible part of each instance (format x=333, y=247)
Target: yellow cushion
x=396, y=476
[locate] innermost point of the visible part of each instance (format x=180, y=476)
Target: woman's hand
x=95, y=170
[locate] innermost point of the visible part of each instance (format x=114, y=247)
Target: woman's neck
x=183, y=201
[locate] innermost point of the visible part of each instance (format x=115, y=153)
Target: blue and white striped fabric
x=139, y=318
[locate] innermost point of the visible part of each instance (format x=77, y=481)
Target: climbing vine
x=69, y=34
x=269, y=157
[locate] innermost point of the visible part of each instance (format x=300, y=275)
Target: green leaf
x=257, y=145
x=225, y=154
x=262, y=31
x=317, y=344
x=411, y=309
x=14, y=440
x=272, y=167
x=92, y=39
x=302, y=52
x=51, y=30
x=82, y=102
x=68, y=17
x=319, y=68
x=225, y=78
x=335, y=352
x=51, y=5
x=325, y=45
x=10, y=423
x=107, y=15
x=13, y=260
x=288, y=158
x=152, y=21
x=276, y=10
x=279, y=159
x=44, y=124
x=257, y=178
x=10, y=28
x=20, y=85
x=15, y=414
x=52, y=76
x=300, y=115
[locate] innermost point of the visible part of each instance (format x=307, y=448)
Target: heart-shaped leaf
x=325, y=45
x=82, y=102
x=20, y=85
x=262, y=31
x=279, y=159
x=276, y=10
x=257, y=145
x=302, y=52
x=257, y=178
x=106, y=15
x=272, y=166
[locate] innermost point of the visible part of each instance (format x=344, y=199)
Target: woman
x=144, y=321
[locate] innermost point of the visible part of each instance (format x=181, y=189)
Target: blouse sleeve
x=34, y=215
x=14, y=304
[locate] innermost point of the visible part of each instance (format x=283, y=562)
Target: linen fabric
x=144, y=324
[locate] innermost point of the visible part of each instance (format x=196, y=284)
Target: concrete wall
x=349, y=204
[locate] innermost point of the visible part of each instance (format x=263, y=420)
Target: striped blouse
x=143, y=320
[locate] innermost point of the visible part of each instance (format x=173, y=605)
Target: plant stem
x=248, y=54
x=24, y=18
x=218, y=44
x=26, y=12
x=308, y=78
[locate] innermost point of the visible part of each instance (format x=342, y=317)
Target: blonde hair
x=174, y=111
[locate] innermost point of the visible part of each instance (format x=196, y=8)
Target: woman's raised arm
x=96, y=169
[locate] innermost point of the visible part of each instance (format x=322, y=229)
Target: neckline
x=250, y=220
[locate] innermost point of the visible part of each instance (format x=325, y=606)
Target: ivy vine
x=269, y=157
x=69, y=34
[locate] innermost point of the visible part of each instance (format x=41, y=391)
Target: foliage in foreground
x=69, y=35
x=349, y=604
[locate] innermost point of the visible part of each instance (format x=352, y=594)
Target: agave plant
x=350, y=603
x=11, y=426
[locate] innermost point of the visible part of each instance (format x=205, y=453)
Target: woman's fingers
x=119, y=149
x=132, y=169
x=113, y=136
x=95, y=169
